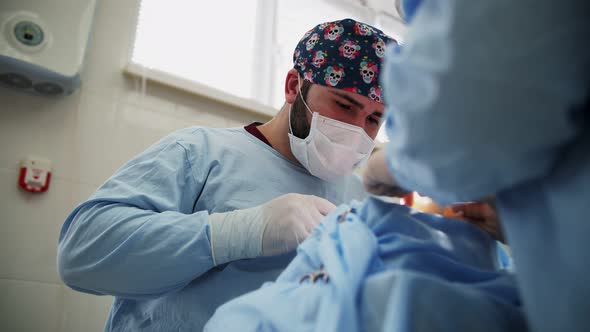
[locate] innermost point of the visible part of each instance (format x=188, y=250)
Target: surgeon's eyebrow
x=349, y=99
x=355, y=102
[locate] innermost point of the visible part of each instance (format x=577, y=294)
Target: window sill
x=199, y=89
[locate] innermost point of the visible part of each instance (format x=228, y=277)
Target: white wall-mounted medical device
x=43, y=44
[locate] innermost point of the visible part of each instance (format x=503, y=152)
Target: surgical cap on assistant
x=343, y=54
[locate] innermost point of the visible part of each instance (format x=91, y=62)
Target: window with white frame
x=243, y=48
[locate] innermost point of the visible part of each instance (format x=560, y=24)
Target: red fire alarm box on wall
x=35, y=174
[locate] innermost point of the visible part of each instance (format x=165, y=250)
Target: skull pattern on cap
x=343, y=54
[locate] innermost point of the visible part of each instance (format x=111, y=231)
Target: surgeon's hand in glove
x=290, y=219
x=481, y=214
x=275, y=227
x=378, y=179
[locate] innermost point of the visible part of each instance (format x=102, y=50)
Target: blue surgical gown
x=143, y=235
x=491, y=97
x=389, y=268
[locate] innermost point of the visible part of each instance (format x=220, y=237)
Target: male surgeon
x=206, y=215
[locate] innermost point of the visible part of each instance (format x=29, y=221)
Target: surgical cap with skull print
x=343, y=54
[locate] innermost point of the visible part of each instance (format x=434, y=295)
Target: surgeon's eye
x=343, y=106
x=374, y=120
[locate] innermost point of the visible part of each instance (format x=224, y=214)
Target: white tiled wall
x=30, y=305
x=87, y=135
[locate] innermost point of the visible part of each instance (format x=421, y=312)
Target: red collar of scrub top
x=253, y=129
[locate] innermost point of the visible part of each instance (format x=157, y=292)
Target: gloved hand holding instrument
x=272, y=228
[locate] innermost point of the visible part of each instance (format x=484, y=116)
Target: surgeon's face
x=337, y=104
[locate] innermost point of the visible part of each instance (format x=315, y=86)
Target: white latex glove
x=378, y=179
x=290, y=219
x=273, y=228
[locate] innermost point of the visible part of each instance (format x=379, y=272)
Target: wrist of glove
x=378, y=180
x=236, y=234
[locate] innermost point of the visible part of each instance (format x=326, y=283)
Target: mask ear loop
x=301, y=96
x=303, y=100
x=290, y=129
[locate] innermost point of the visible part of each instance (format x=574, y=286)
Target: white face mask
x=332, y=149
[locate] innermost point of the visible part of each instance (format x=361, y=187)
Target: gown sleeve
x=137, y=236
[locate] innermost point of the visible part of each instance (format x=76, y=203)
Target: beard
x=299, y=123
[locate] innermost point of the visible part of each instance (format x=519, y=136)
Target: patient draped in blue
x=379, y=266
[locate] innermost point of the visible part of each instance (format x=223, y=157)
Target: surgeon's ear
x=291, y=85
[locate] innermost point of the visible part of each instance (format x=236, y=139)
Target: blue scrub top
x=143, y=235
x=492, y=97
